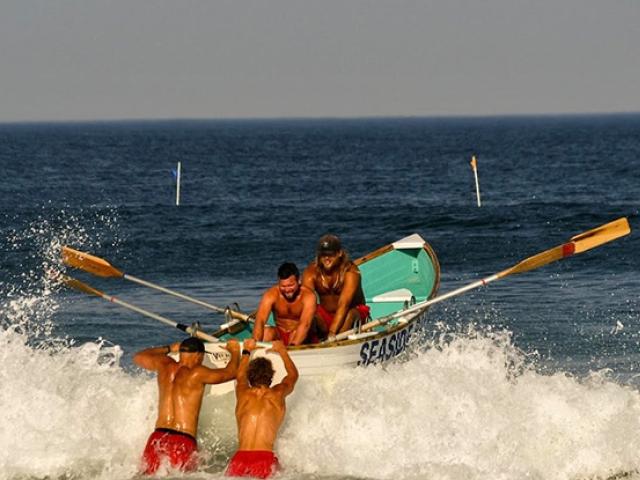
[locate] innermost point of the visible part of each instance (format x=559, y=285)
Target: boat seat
x=400, y=295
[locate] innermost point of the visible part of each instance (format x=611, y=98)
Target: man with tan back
x=260, y=410
x=336, y=280
x=181, y=387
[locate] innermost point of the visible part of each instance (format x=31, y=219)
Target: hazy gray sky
x=88, y=59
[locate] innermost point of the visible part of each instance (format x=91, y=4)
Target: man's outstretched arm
x=351, y=285
x=264, y=309
x=289, y=381
x=308, y=278
x=242, y=382
x=308, y=311
x=154, y=357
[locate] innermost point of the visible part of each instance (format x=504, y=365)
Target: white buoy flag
x=178, y=173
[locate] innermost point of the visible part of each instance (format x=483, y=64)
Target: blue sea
x=532, y=377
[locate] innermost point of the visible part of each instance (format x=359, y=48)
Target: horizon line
x=322, y=118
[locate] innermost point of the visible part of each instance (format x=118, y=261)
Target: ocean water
x=532, y=377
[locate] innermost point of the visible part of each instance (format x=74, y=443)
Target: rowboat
x=400, y=281
x=394, y=278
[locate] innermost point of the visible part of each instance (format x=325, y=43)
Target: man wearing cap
x=292, y=306
x=181, y=387
x=336, y=281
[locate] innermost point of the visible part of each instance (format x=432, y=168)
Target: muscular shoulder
x=307, y=292
x=353, y=268
x=168, y=368
x=198, y=375
x=307, y=296
x=353, y=272
x=271, y=294
x=180, y=375
x=309, y=275
x=310, y=270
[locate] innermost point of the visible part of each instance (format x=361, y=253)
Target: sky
x=153, y=59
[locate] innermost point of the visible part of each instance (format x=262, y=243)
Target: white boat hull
x=321, y=360
x=395, y=278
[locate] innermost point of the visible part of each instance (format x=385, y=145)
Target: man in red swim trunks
x=292, y=305
x=260, y=410
x=181, y=387
x=336, y=281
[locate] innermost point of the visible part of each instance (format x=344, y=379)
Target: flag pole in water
x=178, y=172
x=474, y=166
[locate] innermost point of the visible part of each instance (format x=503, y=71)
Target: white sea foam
x=72, y=411
x=466, y=408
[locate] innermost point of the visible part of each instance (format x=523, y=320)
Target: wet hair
x=191, y=345
x=260, y=372
x=287, y=269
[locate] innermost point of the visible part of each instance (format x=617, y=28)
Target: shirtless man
x=293, y=307
x=260, y=410
x=336, y=280
x=181, y=387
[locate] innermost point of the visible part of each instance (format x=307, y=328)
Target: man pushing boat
x=336, y=280
x=181, y=387
x=260, y=411
x=292, y=306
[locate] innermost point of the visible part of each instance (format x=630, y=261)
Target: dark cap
x=192, y=345
x=328, y=244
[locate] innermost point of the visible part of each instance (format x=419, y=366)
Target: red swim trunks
x=327, y=316
x=253, y=463
x=178, y=448
x=284, y=336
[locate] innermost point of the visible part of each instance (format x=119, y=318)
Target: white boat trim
x=408, y=243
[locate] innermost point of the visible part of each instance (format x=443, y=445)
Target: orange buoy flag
x=474, y=166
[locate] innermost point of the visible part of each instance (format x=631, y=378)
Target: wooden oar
x=83, y=287
x=102, y=268
x=577, y=244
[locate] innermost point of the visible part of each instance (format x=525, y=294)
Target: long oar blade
x=578, y=244
x=601, y=235
x=80, y=286
x=89, y=263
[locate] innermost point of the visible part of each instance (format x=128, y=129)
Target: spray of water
x=27, y=294
x=70, y=411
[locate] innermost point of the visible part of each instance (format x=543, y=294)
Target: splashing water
x=70, y=410
x=27, y=302
x=460, y=411
x=467, y=407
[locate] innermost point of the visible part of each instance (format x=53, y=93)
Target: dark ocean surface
x=257, y=193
